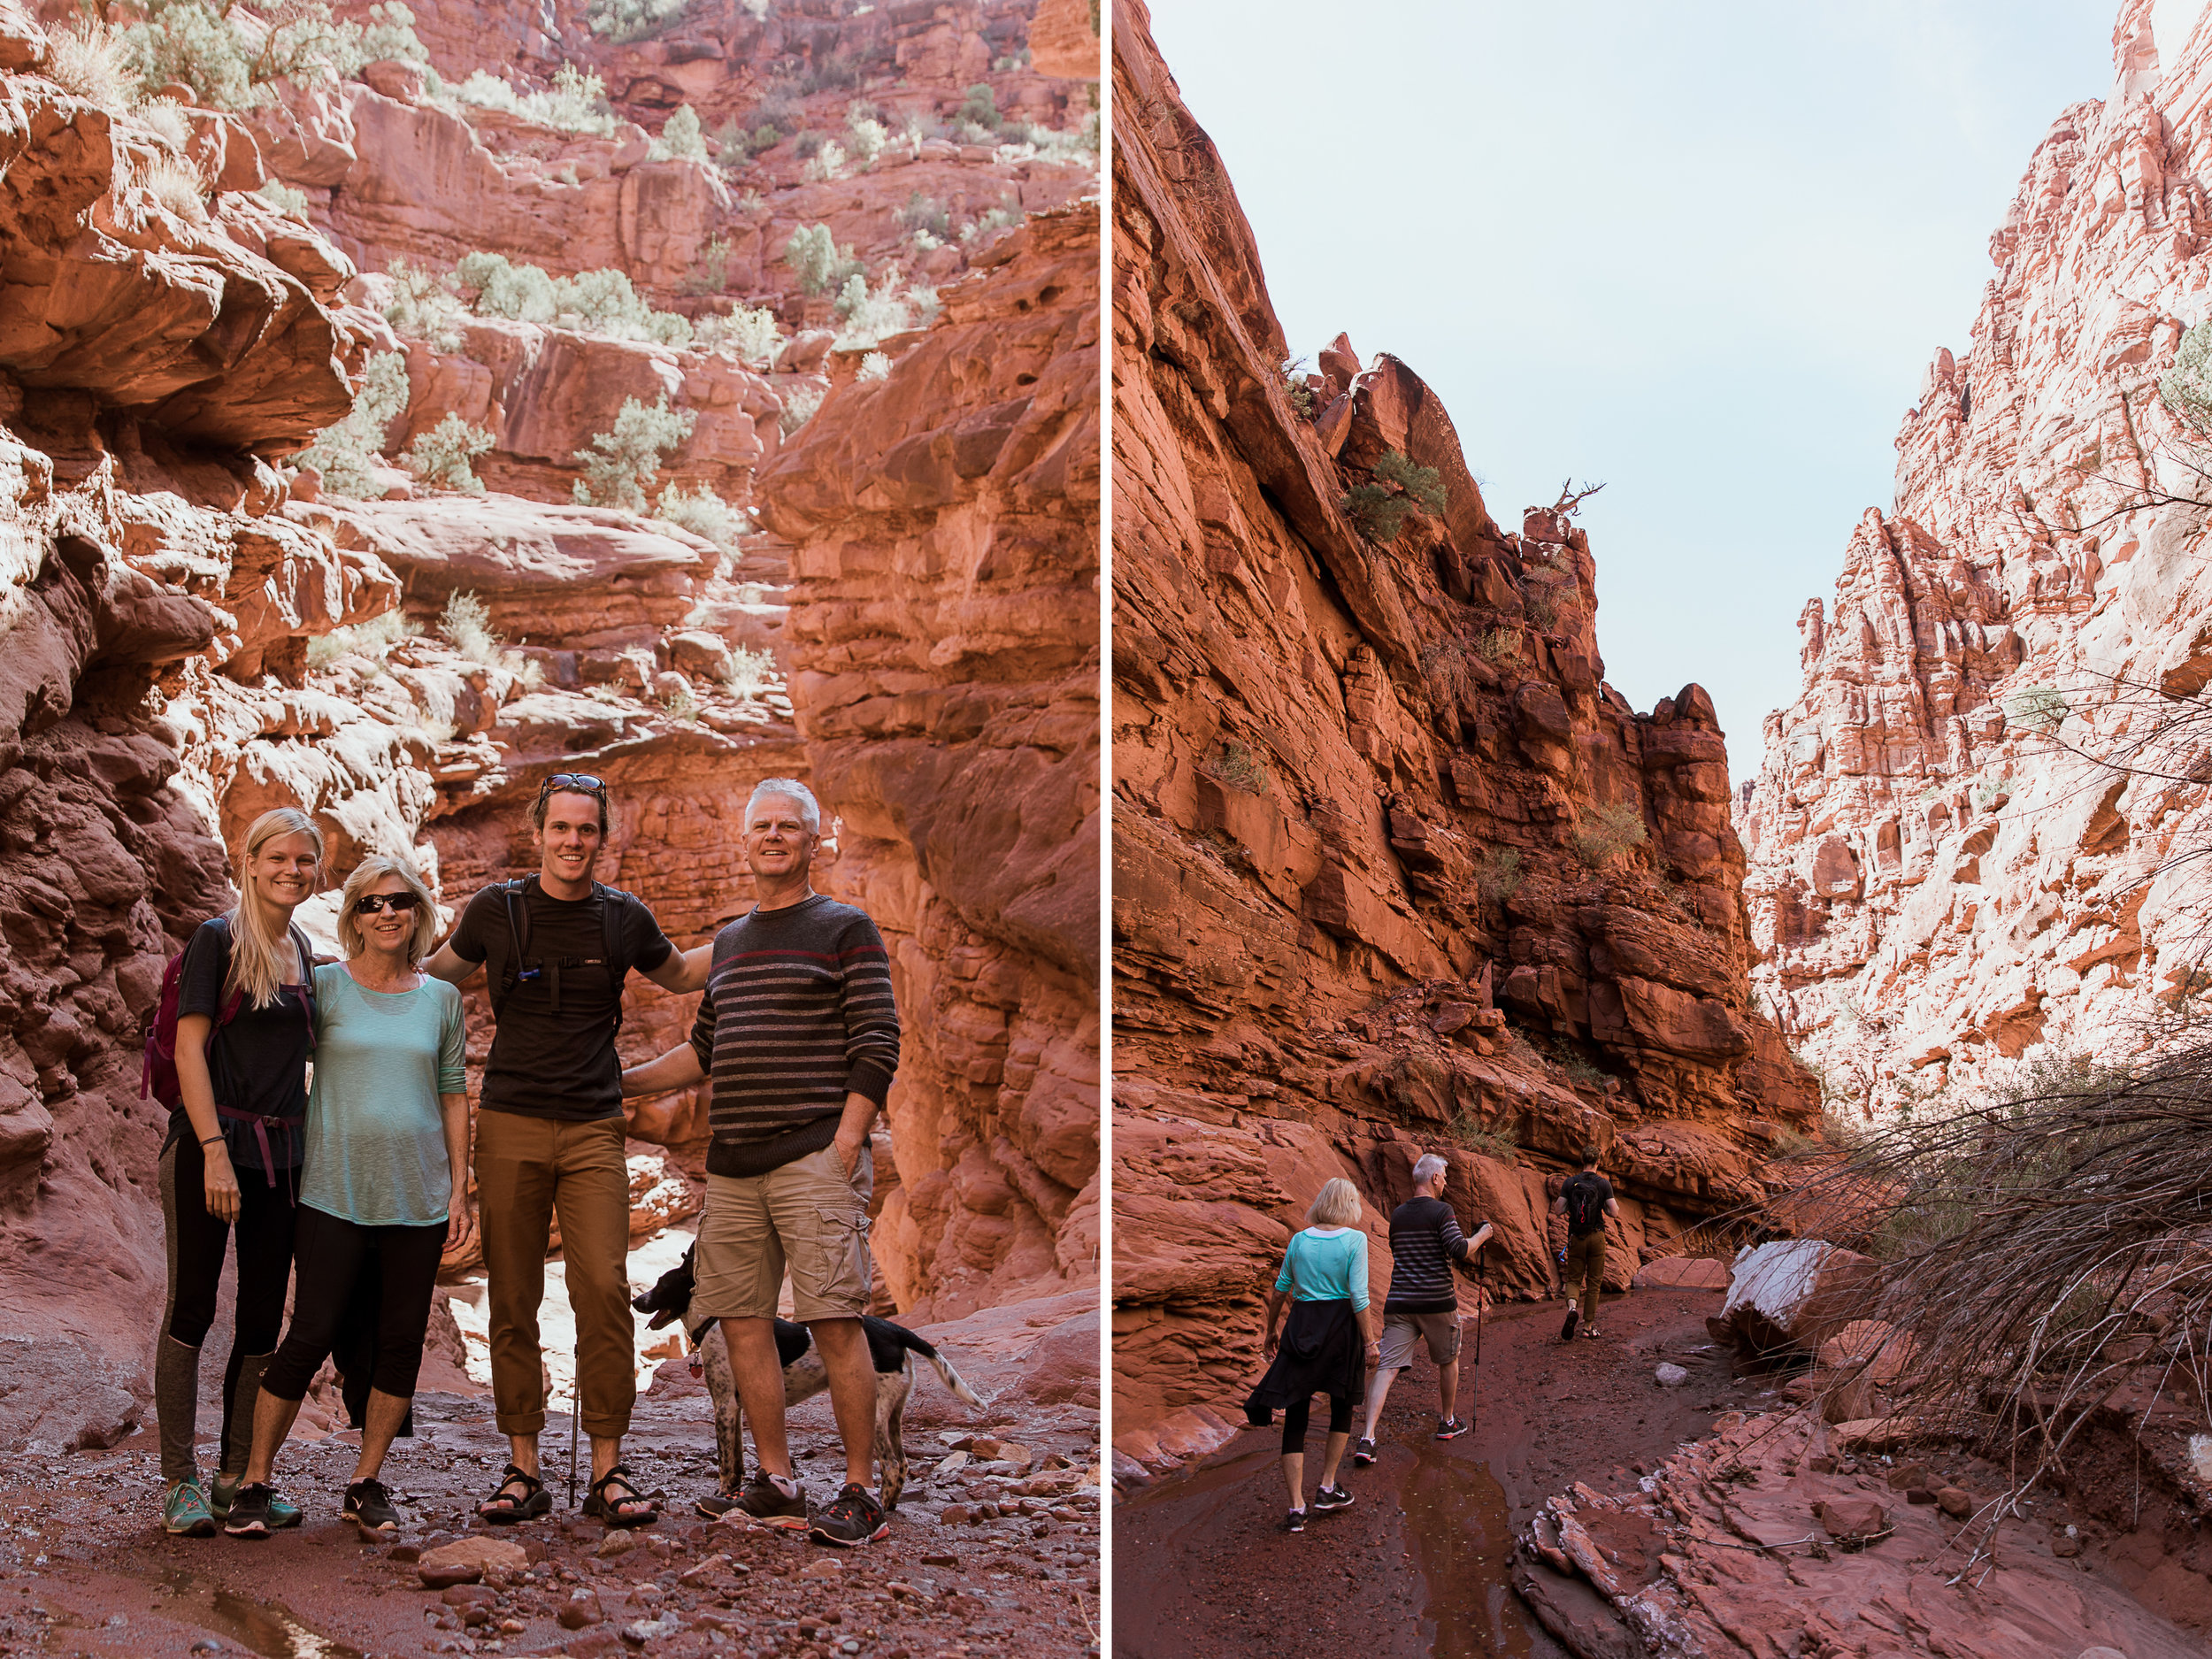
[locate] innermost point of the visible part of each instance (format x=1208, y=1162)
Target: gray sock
x=238, y=1443
x=177, y=1408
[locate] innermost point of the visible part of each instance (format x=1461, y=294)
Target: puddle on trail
x=267, y=1628
x=1457, y=1518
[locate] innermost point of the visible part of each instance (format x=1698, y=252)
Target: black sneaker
x=1362, y=1451
x=773, y=1501
x=1295, y=1522
x=1332, y=1498
x=1450, y=1429
x=1574, y=1318
x=249, y=1515
x=369, y=1506
x=714, y=1505
x=852, y=1517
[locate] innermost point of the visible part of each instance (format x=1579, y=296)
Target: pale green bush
x=704, y=513
x=442, y=455
x=747, y=334
x=577, y=102
x=343, y=453
x=1607, y=833
x=373, y=639
x=632, y=20
x=799, y=406
x=868, y=135
x=467, y=626
x=623, y=464
x=94, y=61
x=751, y=672
x=821, y=265
x=232, y=59
x=827, y=163
x=872, y=317
x=681, y=138
x=423, y=306
x=591, y=302
x=990, y=222
x=290, y=203
x=874, y=366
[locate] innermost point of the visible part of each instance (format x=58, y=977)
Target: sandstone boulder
x=1789, y=1297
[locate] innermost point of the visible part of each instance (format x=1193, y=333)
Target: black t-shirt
x=553, y=1055
x=1586, y=1182
x=256, y=1063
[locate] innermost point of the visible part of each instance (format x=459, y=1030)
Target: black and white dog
x=891, y=1348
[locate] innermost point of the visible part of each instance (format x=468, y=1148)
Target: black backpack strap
x=514, y=895
x=613, y=904
x=301, y=943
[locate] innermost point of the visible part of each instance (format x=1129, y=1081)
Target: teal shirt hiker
x=375, y=1137
x=1326, y=1264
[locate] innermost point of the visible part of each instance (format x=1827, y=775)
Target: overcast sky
x=1700, y=251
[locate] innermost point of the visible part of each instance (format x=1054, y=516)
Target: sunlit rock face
x=1945, y=886
x=1395, y=869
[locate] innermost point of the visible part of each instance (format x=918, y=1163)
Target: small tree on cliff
x=1399, y=487
x=344, y=453
x=816, y=260
x=443, y=455
x=623, y=464
x=233, y=62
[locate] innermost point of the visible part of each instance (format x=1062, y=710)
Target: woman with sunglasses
x=386, y=1188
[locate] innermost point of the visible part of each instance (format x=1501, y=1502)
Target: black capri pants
x=1294, y=1415
x=333, y=1254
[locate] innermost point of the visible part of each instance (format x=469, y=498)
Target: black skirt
x=1322, y=1352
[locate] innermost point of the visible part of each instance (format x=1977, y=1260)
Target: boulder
x=1789, y=1297
x=466, y=1561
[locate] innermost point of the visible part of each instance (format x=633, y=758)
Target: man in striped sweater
x=1426, y=1242
x=800, y=1034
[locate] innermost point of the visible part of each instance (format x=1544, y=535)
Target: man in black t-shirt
x=550, y=1133
x=1585, y=1200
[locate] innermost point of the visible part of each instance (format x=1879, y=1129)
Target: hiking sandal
x=527, y=1504
x=603, y=1505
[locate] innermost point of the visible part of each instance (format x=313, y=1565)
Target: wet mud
x=1419, y=1564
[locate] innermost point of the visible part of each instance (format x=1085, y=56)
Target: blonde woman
x=245, y=1024
x=386, y=1182
x=1321, y=1350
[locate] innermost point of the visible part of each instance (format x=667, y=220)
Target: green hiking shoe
x=184, y=1512
x=224, y=1487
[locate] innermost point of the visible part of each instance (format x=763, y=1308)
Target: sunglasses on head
x=581, y=782
x=398, y=904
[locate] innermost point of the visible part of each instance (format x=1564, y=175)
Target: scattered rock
x=467, y=1560
x=1670, y=1375
x=1851, y=1520
x=619, y=1541
x=1954, y=1501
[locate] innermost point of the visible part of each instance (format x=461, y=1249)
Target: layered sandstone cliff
x=1950, y=876
x=1394, y=868
x=196, y=631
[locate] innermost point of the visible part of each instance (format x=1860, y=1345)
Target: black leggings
x=1294, y=1421
x=266, y=1217
x=334, y=1255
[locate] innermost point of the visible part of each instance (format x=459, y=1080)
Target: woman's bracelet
x=209, y=1141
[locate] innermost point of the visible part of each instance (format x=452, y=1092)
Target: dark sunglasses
x=398, y=904
x=582, y=782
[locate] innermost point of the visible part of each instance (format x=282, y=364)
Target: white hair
x=1427, y=1167
x=809, y=809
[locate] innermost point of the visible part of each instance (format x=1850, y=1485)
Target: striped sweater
x=1424, y=1241
x=798, y=1013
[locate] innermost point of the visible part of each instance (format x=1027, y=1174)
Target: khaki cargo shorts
x=805, y=1216
x=1441, y=1330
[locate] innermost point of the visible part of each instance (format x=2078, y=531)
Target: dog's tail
x=954, y=1383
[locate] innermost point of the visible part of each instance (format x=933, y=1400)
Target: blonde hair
x=257, y=956
x=374, y=869
x=1337, y=1205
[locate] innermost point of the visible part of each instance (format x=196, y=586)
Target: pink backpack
x=158, y=1075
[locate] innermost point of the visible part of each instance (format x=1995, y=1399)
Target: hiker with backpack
x=555, y=947
x=1322, y=1349
x=799, y=1031
x=1425, y=1244
x=1585, y=1200
x=385, y=1190
x=228, y=1053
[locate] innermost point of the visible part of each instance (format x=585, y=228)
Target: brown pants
x=527, y=1168
x=1586, y=1256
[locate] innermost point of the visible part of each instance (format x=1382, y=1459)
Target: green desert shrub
x=704, y=513
x=799, y=406
x=1238, y=767
x=979, y=108
x=867, y=318
x=874, y=366
x=344, y=452
x=1498, y=874
x=681, y=137
x=373, y=639
x=925, y=216
x=748, y=333
x=96, y=62
x=865, y=136
x=1607, y=832
x=231, y=60
x=423, y=306
x=591, y=302
x=751, y=672
x=632, y=20
x=623, y=464
x=990, y=222
x=468, y=625
x=290, y=203
x=1476, y=1136
x=1400, y=486
x=443, y=455
x=576, y=102
x=2187, y=389
x=2040, y=709
x=819, y=264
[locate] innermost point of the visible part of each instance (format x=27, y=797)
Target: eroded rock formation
x=1394, y=868
x=1945, y=878
x=193, y=630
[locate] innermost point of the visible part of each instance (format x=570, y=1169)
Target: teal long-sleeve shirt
x=1327, y=1264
